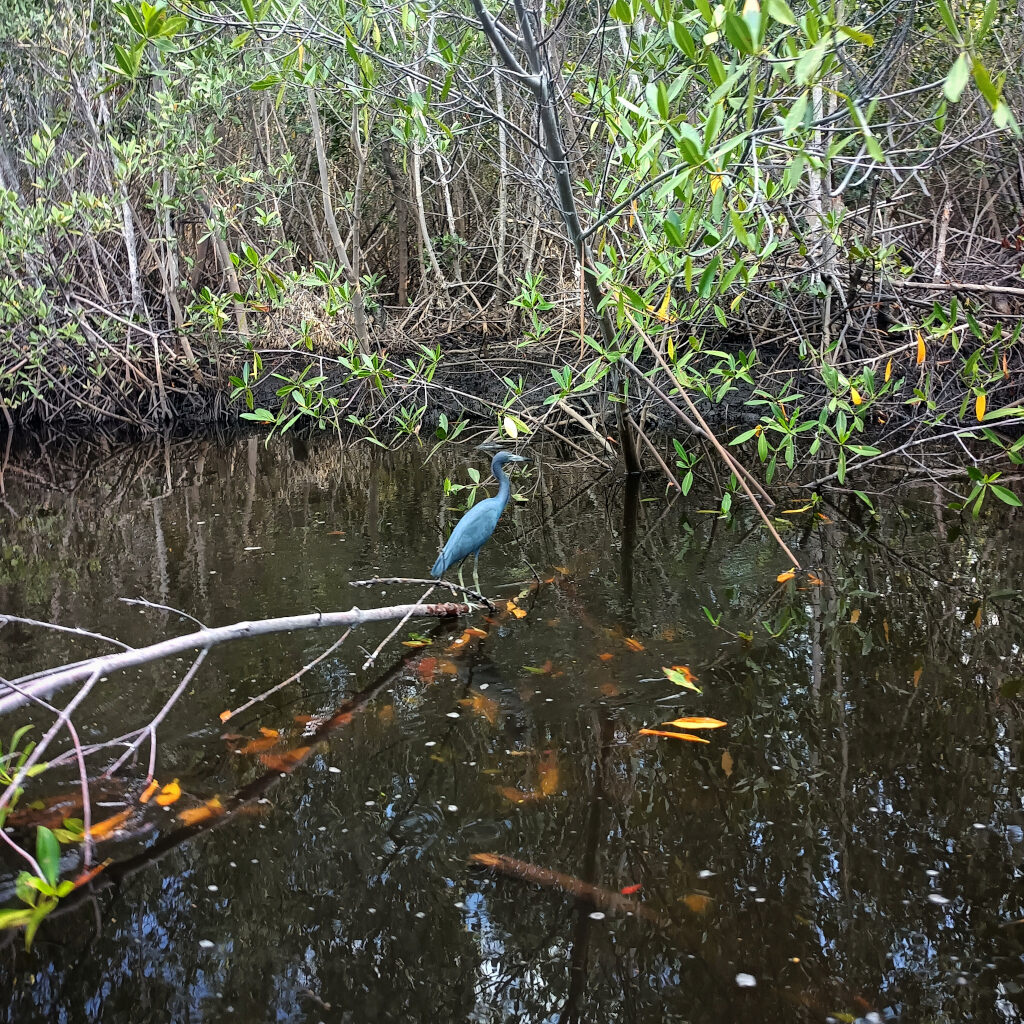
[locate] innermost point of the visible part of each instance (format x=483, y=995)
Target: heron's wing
x=470, y=534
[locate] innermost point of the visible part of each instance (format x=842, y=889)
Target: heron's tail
x=439, y=566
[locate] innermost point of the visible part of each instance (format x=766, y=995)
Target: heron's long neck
x=504, y=486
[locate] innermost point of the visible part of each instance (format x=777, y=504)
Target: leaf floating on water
x=269, y=733
x=170, y=793
x=785, y=577
x=425, y=669
x=194, y=815
x=727, y=763
x=476, y=631
x=304, y=719
x=415, y=643
x=447, y=667
x=543, y=670
x=631, y=890
x=917, y=675
x=481, y=705
x=697, y=902
x=815, y=580
x=257, y=746
x=102, y=829
x=697, y=722
x=606, y=656
x=87, y=876
x=885, y=629
x=287, y=761
x=519, y=796
x=148, y=792
x=855, y=616
x=674, y=735
x=977, y=618
x=336, y=533
x=633, y=644
x=547, y=774
x=518, y=612
x=224, y=715
x=609, y=690
x=681, y=676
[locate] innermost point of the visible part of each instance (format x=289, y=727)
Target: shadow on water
x=850, y=844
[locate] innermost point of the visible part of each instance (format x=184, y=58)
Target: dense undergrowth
x=806, y=221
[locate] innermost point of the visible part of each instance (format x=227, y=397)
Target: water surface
x=849, y=845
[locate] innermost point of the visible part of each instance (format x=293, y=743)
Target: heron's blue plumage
x=474, y=529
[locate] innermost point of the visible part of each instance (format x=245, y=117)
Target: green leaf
x=48, y=854
x=795, y=117
x=956, y=79
x=14, y=918
x=856, y=35
x=984, y=82
x=810, y=60
x=677, y=677
x=780, y=11
x=1004, y=495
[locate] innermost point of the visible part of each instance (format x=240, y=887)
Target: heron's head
x=502, y=458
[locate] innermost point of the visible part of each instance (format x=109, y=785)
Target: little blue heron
x=474, y=529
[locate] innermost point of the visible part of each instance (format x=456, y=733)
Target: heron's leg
x=476, y=572
x=462, y=582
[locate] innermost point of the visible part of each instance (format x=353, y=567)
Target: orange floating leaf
x=87, y=876
x=341, y=719
x=633, y=644
x=256, y=746
x=102, y=829
x=518, y=796
x=518, y=612
x=481, y=705
x=631, y=890
x=304, y=719
x=425, y=669
x=727, y=763
x=269, y=733
x=979, y=407
x=194, y=815
x=673, y=735
x=814, y=579
x=920, y=348
x=977, y=618
x=697, y=902
x=287, y=761
x=148, y=792
x=885, y=629
x=415, y=643
x=476, y=631
x=547, y=773
x=170, y=793
x=224, y=716
x=918, y=672
x=606, y=656
x=697, y=722
x=785, y=577
x=609, y=690
x=336, y=533
x=855, y=616
x=447, y=667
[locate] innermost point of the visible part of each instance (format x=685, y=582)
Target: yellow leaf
x=855, y=616
x=785, y=577
x=917, y=675
x=979, y=407
x=674, y=735
x=224, y=716
x=510, y=427
x=977, y=618
x=697, y=722
x=662, y=313
x=170, y=793
x=268, y=732
x=716, y=183
x=633, y=645
x=855, y=395
x=149, y=791
x=920, y=348
x=888, y=371
x=681, y=676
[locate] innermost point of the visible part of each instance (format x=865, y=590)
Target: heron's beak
x=519, y=458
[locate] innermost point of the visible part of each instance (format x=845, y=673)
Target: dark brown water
x=851, y=843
